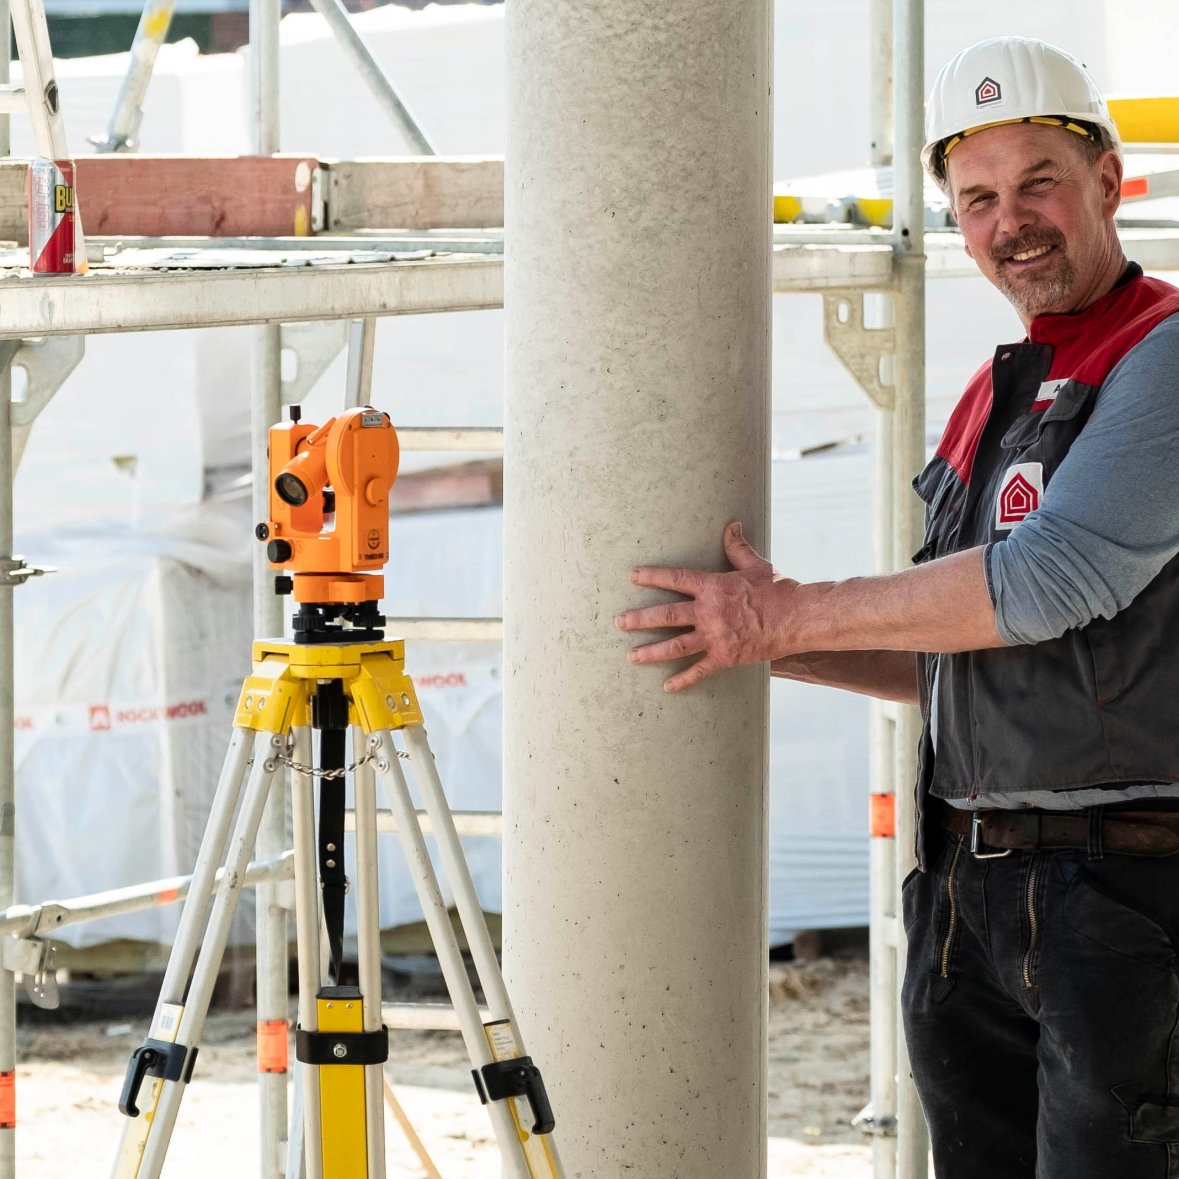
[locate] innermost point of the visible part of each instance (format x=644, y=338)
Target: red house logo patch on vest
x=1019, y=494
x=988, y=92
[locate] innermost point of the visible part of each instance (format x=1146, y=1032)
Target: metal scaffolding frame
x=863, y=273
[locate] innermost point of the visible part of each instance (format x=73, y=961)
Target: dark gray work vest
x=1099, y=705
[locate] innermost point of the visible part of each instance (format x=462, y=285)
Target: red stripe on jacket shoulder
x=1088, y=346
x=963, y=430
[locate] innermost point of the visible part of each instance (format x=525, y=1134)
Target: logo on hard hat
x=988, y=91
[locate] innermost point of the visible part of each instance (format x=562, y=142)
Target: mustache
x=1028, y=241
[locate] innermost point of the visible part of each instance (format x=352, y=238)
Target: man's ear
x=1111, y=173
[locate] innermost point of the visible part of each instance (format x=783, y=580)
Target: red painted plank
x=159, y=196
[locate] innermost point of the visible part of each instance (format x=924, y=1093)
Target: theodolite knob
x=279, y=552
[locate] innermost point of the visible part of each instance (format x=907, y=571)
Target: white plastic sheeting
x=129, y=661
x=127, y=677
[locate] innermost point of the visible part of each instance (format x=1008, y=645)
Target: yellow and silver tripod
x=340, y=1042
x=328, y=526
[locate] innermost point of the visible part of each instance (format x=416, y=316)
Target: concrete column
x=638, y=331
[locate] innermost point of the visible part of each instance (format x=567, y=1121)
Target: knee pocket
x=1153, y=1118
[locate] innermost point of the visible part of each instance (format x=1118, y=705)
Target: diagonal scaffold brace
x=338, y=678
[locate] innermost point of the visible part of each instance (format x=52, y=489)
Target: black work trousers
x=1041, y=1003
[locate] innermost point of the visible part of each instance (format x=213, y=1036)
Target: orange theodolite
x=329, y=521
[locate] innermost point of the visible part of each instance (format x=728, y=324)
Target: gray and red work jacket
x=1098, y=705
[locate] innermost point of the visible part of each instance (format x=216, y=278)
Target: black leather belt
x=1105, y=829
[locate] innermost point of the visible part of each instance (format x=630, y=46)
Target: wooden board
x=160, y=196
x=431, y=192
x=267, y=196
x=475, y=484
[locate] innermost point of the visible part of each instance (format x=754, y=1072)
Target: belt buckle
x=976, y=841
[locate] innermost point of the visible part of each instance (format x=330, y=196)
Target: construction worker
x=1041, y=1001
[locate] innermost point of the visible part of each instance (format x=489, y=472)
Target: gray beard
x=1033, y=298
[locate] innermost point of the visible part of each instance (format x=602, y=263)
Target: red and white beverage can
x=51, y=216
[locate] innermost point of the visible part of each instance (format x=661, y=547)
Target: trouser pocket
x=931, y=907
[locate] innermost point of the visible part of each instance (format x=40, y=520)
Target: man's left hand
x=728, y=618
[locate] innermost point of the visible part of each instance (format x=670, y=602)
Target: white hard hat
x=1007, y=80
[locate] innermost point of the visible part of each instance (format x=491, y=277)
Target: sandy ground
x=70, y=1074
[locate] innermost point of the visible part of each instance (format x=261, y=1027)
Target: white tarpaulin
x=127, y=678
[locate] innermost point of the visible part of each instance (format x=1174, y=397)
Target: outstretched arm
x=754, y=614
x=886, y=675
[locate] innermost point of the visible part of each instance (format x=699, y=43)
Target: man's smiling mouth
x=1031, y=254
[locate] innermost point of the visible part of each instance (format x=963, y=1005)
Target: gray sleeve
x=1109, y=519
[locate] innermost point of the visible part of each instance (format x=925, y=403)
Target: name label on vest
x=1019, y=494
x=1048, y=392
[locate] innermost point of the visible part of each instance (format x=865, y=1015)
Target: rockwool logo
x=1019, y=495
x=103, y=718
x=446, y=679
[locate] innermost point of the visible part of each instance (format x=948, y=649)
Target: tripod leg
x=540, y=1149
x=368, y=933
x=450, y=958
x=193, y=917
x=170, y=1050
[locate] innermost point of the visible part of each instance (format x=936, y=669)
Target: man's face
x=1036, y=214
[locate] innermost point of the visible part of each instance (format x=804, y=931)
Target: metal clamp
x=155, y=1058
x=518, y=1077
x=342, y=1047
x=14, y=571
x=35, y=960
x=878, y=1127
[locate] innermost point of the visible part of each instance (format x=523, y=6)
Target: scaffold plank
x=106, y=301
x=815, y=267
x=240, y=196
x=430, y=192
x=110, y=300
x=166, y=195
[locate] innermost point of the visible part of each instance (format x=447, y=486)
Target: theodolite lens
x=290, y=489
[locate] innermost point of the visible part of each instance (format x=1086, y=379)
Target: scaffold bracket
x=866, y=352
x=314, y=346
x=876, y=1127
x=35, y=960
x=15, y=571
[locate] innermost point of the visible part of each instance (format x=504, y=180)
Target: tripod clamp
x=155, y=1058
x=516, y=1078
x=342, y=1047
